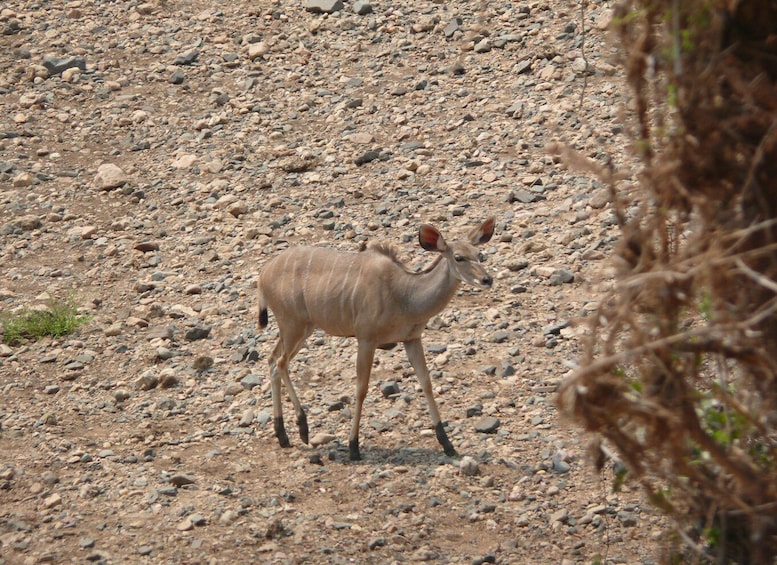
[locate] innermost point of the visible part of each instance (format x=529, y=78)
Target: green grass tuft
x=60, y=319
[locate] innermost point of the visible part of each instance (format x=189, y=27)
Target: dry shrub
x=679, y=375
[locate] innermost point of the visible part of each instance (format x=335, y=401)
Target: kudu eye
x=481, y=257
x=458, y=258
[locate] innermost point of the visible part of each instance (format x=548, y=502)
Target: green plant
x=61, y=318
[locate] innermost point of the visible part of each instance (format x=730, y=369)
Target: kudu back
x=369, y=295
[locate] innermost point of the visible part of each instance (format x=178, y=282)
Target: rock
x=56, y=65
x=22, y=180
x=249, y=382
x=176, y=77
x=202, y=362
x=196, y=333
x=487, y=425
x=321, y=438
x=560, y=516
x=555, y=329
x=482, y=46
x=180, y=480
x=187, y=58
x=184, y=162
x=167, y=379
x=362, y=138
x=561, y=276
x=506, y=369
x=159, y=332
x=185, y=525
x=52, y=501
x=452, y=27
x=600, y=199
x=500, y=336
x=323, y=6
x=389, y=388
x=28, y=222
x=246, y=419
x=525, y=196
x=628, y=519
x=362, y=7
x=367, y=157
x=147, y=246
x=110, y=176
x=560, y=466
x=146, y=381
x=468, y=466
x=193, y=289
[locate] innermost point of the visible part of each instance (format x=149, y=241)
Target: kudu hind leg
x=277, y=406
x=292, y=344
x=287, y=347
x=415, y=354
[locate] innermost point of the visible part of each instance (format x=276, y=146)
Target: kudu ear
x=482, y=234
x=430, y=238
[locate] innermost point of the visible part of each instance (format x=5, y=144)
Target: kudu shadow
x=396, y=457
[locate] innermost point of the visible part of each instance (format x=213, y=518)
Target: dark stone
x=390, y=388
x=146, y=246
x=55, y=65
x=555, y=329
x=362, y=8
x=187, y=58
x=506, y=369
x=196, y=333
x=561, y=276
x=452, y=27
x=523, y=66
x=367, y=157
x=323, y=6
x=176, y=77
x=487, y=425
x=250, y=381
x=524, y=196
x=335, y=406
x=181, y=480
x=500, y=336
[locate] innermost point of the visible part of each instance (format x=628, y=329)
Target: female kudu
x=368, y=295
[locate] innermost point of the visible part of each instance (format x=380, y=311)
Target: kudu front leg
x=364, y=360
x=415, y=353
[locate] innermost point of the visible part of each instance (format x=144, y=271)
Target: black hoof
x=442, y=437
x=353, y=450
x=280, y=432
x=302, y=424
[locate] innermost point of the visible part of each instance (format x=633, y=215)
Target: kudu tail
x=263, y=317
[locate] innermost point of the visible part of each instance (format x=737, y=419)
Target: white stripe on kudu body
x=368, y=295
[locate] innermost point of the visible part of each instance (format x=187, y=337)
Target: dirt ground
x=233, y=131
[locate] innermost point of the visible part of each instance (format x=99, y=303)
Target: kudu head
x=462, y=257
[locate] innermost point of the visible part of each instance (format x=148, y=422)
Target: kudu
x=369, y=295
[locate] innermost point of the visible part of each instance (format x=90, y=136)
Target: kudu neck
x=431, y=290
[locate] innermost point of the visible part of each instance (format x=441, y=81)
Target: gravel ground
x=154, y=155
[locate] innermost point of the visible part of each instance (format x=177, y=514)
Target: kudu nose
x=487, y=280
